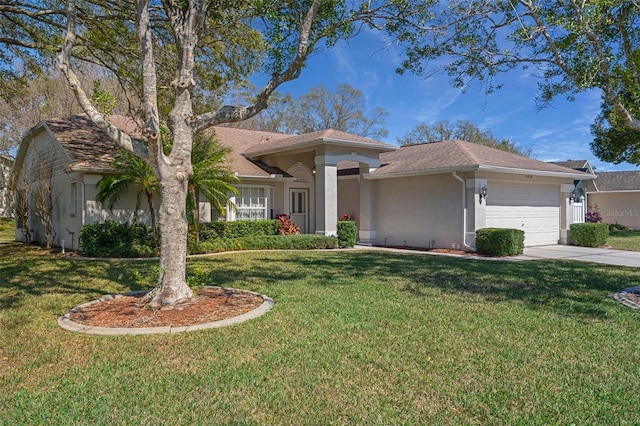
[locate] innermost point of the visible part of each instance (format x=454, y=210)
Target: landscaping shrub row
x=589, y=234
x=267, y=242
x=499, y=241
x=238, y=229
x=112, y=239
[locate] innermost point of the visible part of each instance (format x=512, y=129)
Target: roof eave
x=321, y=141
x=422, y=172
x=615, y=191
x=548, y=173
x=273, y=177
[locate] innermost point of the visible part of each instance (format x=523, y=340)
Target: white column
x=476, y=210
x=566, y=213
x=326, y=197
x=367, y=211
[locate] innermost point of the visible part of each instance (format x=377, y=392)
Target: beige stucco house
x=429, y=195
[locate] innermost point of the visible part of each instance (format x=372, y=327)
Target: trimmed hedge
x=347, y=233
x=267, y=242
x=238, y=229
x=113, y=239
x=589, y=234
x=499, y=241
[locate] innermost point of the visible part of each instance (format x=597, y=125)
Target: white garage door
x=534, y=209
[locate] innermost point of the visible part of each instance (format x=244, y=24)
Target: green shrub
x=113, y=239
x=617, y=227
x=347, y=233
x=238, y=229
x=499, y=241
x=589, y=234
x=266, y=242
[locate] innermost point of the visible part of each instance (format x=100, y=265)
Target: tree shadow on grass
x=572, y=288
x=566, y=287
x=32, y=271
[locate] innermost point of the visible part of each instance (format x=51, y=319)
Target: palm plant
x=131, y=170
x=210, y=178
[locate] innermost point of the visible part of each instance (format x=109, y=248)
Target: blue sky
x=558, y=132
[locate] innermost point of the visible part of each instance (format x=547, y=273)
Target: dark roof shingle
x=618, y=181
x=458, y=154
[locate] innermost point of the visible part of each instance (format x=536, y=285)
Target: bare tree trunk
x=152, y=212
x=196, y=213
x=173, y=244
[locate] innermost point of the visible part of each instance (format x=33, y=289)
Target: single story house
x=427, y=195
x=617, y=195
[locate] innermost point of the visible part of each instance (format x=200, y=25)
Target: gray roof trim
x=498, y=169
x=382, y=175
x=518, y=171
x=320, y=141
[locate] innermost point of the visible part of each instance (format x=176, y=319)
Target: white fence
x=579, y=211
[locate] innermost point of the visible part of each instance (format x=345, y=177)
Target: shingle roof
x=617, y=181
x=240, y=140
x=573, y=164
x=88, y=145
x=328, y=135
x=458, y=154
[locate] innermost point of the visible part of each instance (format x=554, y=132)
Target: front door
x=299, y=207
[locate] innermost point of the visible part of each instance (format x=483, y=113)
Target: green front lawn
x=354, y=338
x=7, y=230
x=625, y=240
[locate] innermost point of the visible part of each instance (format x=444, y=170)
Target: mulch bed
x=129, y=311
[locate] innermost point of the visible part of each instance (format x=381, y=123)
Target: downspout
x=464, y=211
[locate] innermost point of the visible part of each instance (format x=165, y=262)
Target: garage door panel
x=535, y=210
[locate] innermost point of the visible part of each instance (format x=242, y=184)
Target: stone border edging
x=65, y=322
x=621, y=296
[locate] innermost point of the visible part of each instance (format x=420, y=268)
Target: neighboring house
x=6, y=165
x=617, y=195
x=429, y=195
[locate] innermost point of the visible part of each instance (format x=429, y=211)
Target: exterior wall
x=618, y=207
x=420, y=211
x=349, y=197
x=43, y=172
x=123, y=211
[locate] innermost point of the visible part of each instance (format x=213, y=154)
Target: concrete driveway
x=587, y=254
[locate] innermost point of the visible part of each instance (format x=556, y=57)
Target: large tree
x=204, y=44
x=461, y=129
x=343, y=109
x=572, y=45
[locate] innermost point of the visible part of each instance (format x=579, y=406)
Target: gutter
x=464, y=210
x=423, y=172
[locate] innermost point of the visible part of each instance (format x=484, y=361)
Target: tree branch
x=120, y=137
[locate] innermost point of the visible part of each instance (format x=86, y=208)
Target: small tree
x=42, y=197
x=131, y=170
x=21, y=211
x=211, y=178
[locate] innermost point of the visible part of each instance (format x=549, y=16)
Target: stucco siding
x=620, y=207
x=422, y=211
x=349, y=197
